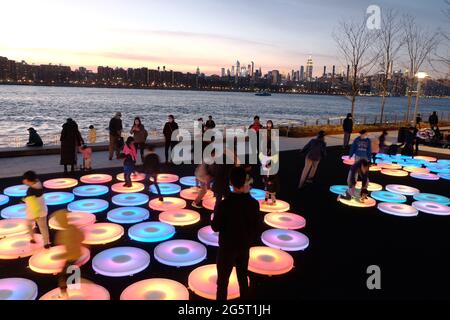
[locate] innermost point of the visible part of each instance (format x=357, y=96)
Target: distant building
x=302, y=73
x=309, y=69
x=275, y=76
x=222, y=72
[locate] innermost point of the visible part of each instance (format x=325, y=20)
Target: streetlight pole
x=420, y=76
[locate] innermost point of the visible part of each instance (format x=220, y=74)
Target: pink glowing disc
x=279, y=206
x=394, y=173
x=432, y=208
x=119, y=188
x=60, y=183
x=425, y=158
x=285, y=220
x=82, y=291
x=191, y=193
x=425, y=176
x=398, y=209
x=401, y=189
x=368, y=203
x=102, y=233
x=416, y=169
x=269, y=261
x=371, y=187
x=17, y=289
x=51, y=261
x=166, y=178
x=155, y=289
x=20, y=246
x=96, y=178
x=208, y=236
x=391, y=166
x=349, y=162
x=203, y=282
x=169, y=203
x=287, y=240
x=13, y=227
x=209, y=203
x=135, y=177
x=179, y=217
x=79, y=219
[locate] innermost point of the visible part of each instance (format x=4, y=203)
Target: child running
x=360, y=170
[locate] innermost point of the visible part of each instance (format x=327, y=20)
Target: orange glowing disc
x=51, y=261
x=279, y=206
x=391, y=166
x=135, y=177
x=119, y=188
x=60, y=183
x=102, y=233
x=269, y=261
x=209, y=203
x=425, y=158
x=166, y=178
x=192, y=193
x=179, y=217
x=155, y=289
x=81, y=291
x=416, y=169
x=96, y=178
x=13, y=227
x=394, y=173
x=79, y=219
x=20, y=246
x=169, y=203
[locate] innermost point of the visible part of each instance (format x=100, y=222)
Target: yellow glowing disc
x=394, y=173
x=391, y=166
x=60, y=183
x=369, y=202
x=375, y=168
x=269, y=261
x=13, y=227
x=20, y=246
x=96, y=178
x=416, y=169
x=51, y=261
x=279, y=206
x=79, y=219
x=425, y=158
x=371, y=187
x=81, y=291
x=166, y=178
x=119, y=188
x=102, y=233
x=155, y=289
x=135, y=177
x=179, y=217
x=169, y=203
x=192, y=193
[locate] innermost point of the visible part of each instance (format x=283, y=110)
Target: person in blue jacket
x=361, y=147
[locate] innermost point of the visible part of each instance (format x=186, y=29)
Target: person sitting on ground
x=152, y=169
x=36, y=209
x=34, y=140
x=92, y=135
x=130, y=155
x=315, y=150
x=359, y=170
x=86, y=152
x=238, y=222
x=361, y=147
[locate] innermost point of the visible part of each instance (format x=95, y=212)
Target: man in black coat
x=348, y=129
x=433, y=119
x=168, y=129
x=115, y=133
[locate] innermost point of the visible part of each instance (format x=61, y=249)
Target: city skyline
x=276, y=35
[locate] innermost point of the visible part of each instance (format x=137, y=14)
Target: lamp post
x=420, y=76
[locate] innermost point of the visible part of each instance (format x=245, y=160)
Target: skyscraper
x=223, y=72
x=309, y=68
x=238, y=68
x=302, y=73
x=324, y=71
x=253, y=69
x=275, y=77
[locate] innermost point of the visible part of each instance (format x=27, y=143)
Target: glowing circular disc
x=16, y=191
x=60, y=183
x=18, y=289
x=169, y=203
x=382, y=155
x=51, y=261
x=78, y=219
x=432, y=198
x=279, y=206
x=96, y=178
x=130, y=199
x=425, y=176
x=413, y=163
x=346, y=158
x=369, y=202
x=208, y=236
x=3, y=199
x=269, y=261
x=166, y=178
x=371, y=187
x=375, y=168
x=398, y=209
x=152, y=231
x=128, y=215
x=394, y=173
x=401, y=189
x=189, y=181
x=209, y=203
x=81, y=291
x=444, y=161
x=166, y=188
x=287, y=240
x=400, y=157
x=121, y=261
x=387, y=196
x=285, y=220
x=88, y=205
x=438, y=168
x=179, y=217
x=391, y=166
x=20, y=246
x=203, y=282
x=416, y=169
x=445, y=176
x=155, y=289
x=134, y=177
x=257, y=194
x=180, y=253
x=432, y=208
x=13, y=227
x=191, y=193
x=92, y=190
x=135, y=187
x=425, y=158
x=57, y=198
x=102, y=233
x=338, y=189
x=15, y=211
x=349, y=162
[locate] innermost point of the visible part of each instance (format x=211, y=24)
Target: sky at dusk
x=184, y=34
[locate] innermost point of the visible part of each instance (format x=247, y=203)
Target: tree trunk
x=353, y=105
x=408, y=113
x=383, y=101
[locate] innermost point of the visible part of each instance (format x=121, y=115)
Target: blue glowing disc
x=432, y=198
x=412, y=163
x=338, y=189
x=88, y=205
x=16, y=191
x=189, y=181
x=439, y=168
x=126, y=215
x=130, y=199
x=3, y=199
x=387, y=196
x=92, y=190
x=180, y=253
x=57, y=198
x=121, y=261
x=444, y=161
x=153, y=231
x=18, y=289
x=445, y=176
x=382, y=155
x=383, y=160
x=258, y=194
x=166, y=188
x=14, y=212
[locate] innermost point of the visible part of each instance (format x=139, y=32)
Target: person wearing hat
x=315, y=150
x=115, y=133
x=347, y=126
x=34, y=140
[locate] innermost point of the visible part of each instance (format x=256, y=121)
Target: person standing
x=433, y=120
x=86, y=152
x=347, y=126
x=210, y=124
x=129, y=151
x=140, y=136
x=92, y=134
x=361, y=147
x=315, y=150
x=168, y=129
x=238, y=222
x=34, y=140
x=256, y=126
x=71, y=140
x=115, y=133
x=382, y=142
x=152, y=168
x=418, y=121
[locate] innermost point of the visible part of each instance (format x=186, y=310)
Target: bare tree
x=419, y=43
x=390, y=41
x=354, y=41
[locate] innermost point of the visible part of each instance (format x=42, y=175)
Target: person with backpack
x=315, y=150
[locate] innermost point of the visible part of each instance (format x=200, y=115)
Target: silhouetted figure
x=34, y=140
x=71, y=140
x=168, y=129
x=347, y=126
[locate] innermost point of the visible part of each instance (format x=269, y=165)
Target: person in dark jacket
x=418, y=121
x=410, y=142
x=347, y=126
x=34, y=140
x=221, y=183
x=71, y=140
x=115, y=133
x=361, y=147
x=152, y=169
x=271, y=185
x=315, y=150
x=433, y=119
x=168, y=129
x=140, y=136
x=238, y=222
x=359, y=170
x=210, y=124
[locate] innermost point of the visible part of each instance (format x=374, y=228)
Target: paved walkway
x=12, y=167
